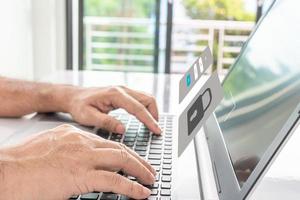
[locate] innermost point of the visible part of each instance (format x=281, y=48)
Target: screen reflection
x=263, y=89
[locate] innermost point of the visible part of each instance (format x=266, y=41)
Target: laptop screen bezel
x=229, y=186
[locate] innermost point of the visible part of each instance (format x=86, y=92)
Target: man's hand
x=89, y=106
x=65, y=161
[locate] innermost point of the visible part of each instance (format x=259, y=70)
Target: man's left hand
x=90, y=106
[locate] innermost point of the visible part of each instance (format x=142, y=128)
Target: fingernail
x=153, y=178
x=146, y=191
x=120, y=129
x=159, y=131
x=153, y=171
x=158, y=128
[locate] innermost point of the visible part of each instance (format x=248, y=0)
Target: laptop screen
x=262, y=89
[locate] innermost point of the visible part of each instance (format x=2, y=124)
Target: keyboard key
x=144, y=128
x=125, y=198
x=129, y=144
x=130, y=135
x=132, y=129
x=144, y=132
x=142, y=144
x=74, y=197
x=167, y=152
x=155, y=162
x=155, y=151
x=154, y=157
x=155, y=146
x=131, y=132
x=168, y=140
x=165, y=198
x=141, y=153
x=109, y=196
x=152, y=198
x=167, y=156
x=165, y=192
x=156, y=142
x=89, y=196
x=166, y=172
x=168, y=132
x=154, y=192
x=141, y=148
x=165, y=185
x=103, y=133
x=166, y=178
x=168, y=148
x=155, y=186
x=143, y=136
x=168, y=143
x=167, y=166
x=134, y=125
x=167, y=161
x=129, y=139
x=143, y=139
x=115, y=135
x=157, y=137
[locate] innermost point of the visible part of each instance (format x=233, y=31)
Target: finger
x=105, y=121
x=123, y=100
x=116, y=145
x=147, y=100
x=112, y=182
x=144, y=162
x=120, y=159
x=102, y=143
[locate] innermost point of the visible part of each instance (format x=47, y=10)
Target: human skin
x=63, y=161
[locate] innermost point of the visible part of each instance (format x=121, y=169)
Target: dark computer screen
x=263, y=88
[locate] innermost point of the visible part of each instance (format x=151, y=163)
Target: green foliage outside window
x=218, y=10
x=196, y=9
x=119, y=8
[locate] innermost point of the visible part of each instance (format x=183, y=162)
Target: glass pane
x=119, y=35
x=221, y=24
x=263, y=89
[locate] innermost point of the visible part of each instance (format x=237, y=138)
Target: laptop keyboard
x=157, y=150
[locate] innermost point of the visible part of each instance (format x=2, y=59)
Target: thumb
x=104, y=121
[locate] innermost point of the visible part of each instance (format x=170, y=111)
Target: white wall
x=32, y=38
x=16, y=39
x=48, y=19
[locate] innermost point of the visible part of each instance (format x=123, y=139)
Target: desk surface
x=282, y=181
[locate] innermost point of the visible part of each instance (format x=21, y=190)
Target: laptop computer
x=258, y=114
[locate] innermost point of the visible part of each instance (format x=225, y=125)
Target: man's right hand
x=66, y=161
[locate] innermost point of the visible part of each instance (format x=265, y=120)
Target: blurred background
x=39, y=37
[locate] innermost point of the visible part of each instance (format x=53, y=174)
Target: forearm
x=18, y=98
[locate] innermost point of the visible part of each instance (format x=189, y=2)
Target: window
x=119, y=35
x=159, y=36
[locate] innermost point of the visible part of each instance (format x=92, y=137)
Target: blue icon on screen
x=188, y=80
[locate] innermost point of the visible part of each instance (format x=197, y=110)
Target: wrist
x=56, y=98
